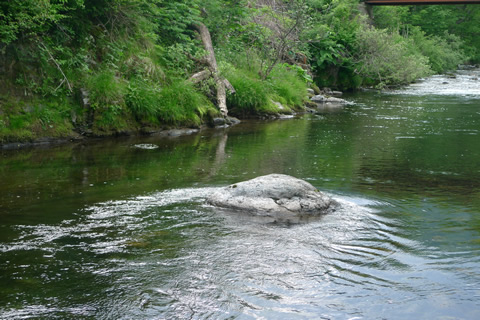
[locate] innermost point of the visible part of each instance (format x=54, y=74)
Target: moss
x=34, y=118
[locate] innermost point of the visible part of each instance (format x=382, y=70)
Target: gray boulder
x=274, y=195
x=319, y=99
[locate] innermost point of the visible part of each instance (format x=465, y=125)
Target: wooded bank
x=108, y=67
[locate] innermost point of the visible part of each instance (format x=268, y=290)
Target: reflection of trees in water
x=220, y=155
x=259, y=148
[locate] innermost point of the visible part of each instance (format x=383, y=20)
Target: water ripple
x=169, y=255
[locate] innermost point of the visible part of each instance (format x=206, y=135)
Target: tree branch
x=65, y=79
x=200, y=76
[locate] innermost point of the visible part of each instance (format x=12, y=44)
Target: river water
x=119, y=229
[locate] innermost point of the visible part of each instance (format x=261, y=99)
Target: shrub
x=285, y=84
x=388, y=58
x=176, y=103
x=444, y=53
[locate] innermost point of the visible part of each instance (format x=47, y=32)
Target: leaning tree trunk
x=212, y=66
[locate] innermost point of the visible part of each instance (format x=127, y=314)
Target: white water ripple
x=463, y=83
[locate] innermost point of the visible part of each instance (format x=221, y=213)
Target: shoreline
x=163, y=133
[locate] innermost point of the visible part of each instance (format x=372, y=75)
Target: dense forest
x=72, y=68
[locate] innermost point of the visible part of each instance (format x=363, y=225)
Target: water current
x=119, y=229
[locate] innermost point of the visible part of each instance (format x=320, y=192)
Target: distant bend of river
x=119, y=229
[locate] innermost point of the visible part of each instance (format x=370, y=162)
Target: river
x=119, y=229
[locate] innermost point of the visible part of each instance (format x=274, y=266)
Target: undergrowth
x=256, y=96
x=26, y=121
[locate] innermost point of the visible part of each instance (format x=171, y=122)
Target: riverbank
x=76, y=70
x=43, y=130
x=21, y=138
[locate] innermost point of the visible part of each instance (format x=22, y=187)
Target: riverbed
x=119, y=229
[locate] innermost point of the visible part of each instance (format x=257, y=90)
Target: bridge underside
x=417, y=2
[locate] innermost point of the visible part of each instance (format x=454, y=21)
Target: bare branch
x=229, y=86
x=200, y=76
x=65, y=79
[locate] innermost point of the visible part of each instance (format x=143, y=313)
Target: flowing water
x=119, y=229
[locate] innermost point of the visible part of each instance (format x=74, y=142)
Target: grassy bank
x=72, y=68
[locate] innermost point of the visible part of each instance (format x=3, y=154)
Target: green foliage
x=444, y=53
x=31, y=17
x=331, y=37
x=229, y=22
x=181, y=103
x=438, y=22
x=106, y=91
x=176, y=58
x=387, y=58
x=143, y=100
x=344, y=53
x=176, y=103
x=24, y=122
x=289, y=85
x=286, y=84
x=251, y=93
x=133, y=56
x=175, y=19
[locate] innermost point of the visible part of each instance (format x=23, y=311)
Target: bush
x=176, y=103
x=285, y=84
x=444, y=53
x=388, y=58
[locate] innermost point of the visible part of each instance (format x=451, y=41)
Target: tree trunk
x=212, y=66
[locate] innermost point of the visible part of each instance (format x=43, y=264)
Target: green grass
x=23, y=122
x=287, y=84
x=180, y=103
x=255, y=96
x=252, y=95
x=177, y=103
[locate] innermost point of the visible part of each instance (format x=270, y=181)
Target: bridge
x=417, y=2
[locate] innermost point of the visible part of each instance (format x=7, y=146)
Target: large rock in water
x=275, y=195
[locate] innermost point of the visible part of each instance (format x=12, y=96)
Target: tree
x=280, y=24
x=211, y=62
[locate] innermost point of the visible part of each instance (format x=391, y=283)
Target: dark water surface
x=118, y=229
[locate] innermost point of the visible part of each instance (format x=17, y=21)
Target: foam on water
x=463, y=83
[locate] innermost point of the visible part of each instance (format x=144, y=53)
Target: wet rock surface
x=319, y=99
x=275, y=195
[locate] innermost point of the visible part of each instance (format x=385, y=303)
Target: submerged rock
x=221, y=122
x=275, y=195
